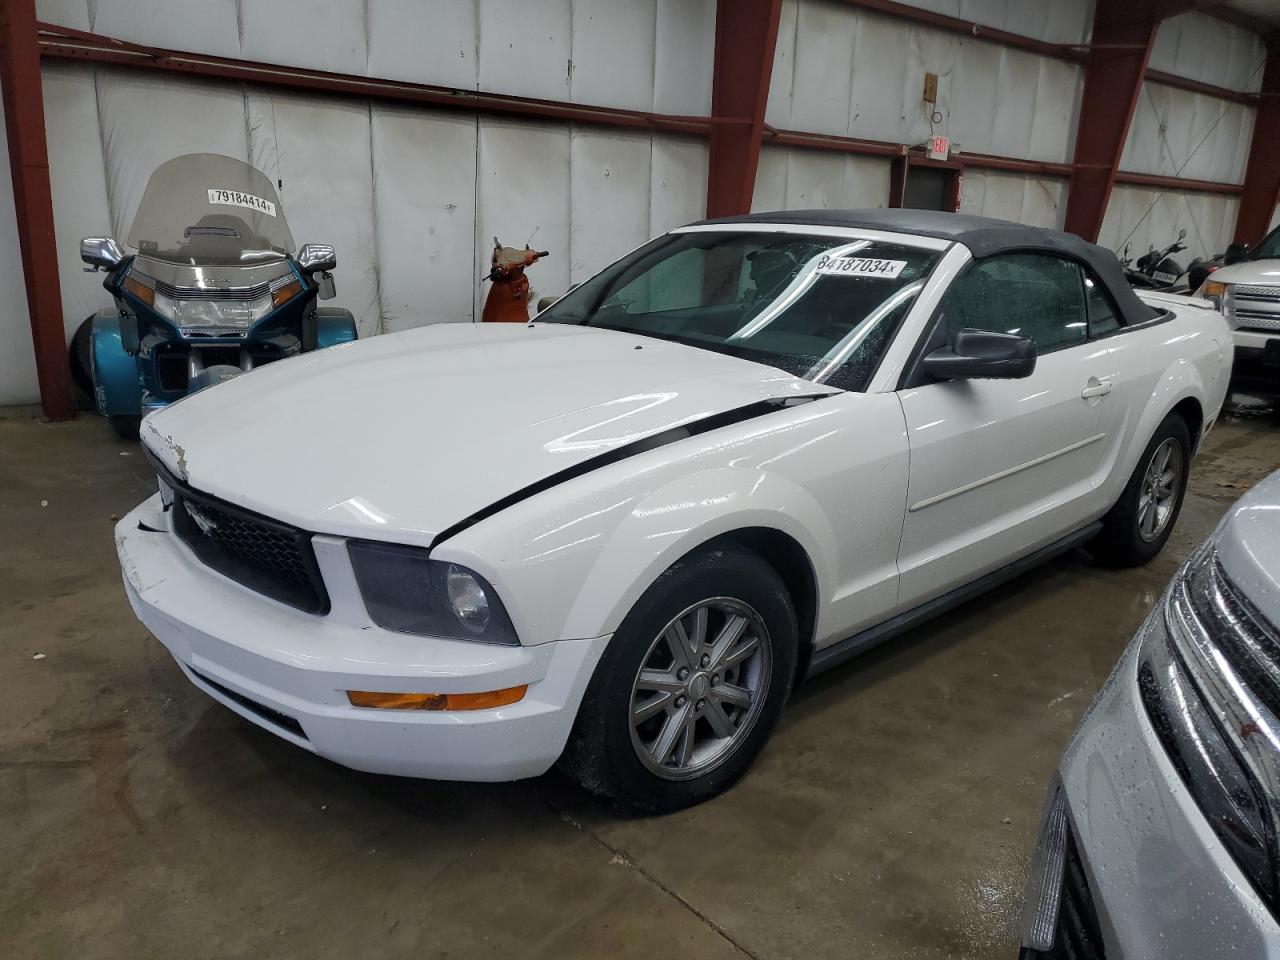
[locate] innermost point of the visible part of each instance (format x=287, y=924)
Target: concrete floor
x=892, y=815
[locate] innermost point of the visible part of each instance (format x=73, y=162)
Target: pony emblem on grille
x=206, y=525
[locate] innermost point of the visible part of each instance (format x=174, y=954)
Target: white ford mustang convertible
x=618, y=536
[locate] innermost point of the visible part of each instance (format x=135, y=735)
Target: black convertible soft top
x=984, y=236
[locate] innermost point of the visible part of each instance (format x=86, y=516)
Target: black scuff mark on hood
x=714, y=422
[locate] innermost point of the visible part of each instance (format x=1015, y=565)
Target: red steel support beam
x=1262, y=176
x=1121, y=47
x=746, y=34
x=33, y=201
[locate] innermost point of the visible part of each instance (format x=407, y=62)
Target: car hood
x=1249, y=271
x=1248, y=546
x=404, y=435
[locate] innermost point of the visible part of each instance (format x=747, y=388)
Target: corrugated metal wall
x=850, y=72
x=1182, y=134
x=412, y=197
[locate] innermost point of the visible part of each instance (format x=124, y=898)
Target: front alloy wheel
x=700, y=688
x=690, y=685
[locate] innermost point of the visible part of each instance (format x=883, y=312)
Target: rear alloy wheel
x=1140, y=523
x=689, y=687
x=1161, y=485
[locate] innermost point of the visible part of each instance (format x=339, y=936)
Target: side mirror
x=1182, y=234
x=979, y=354
x=316, y=256
x=1236, y=253
x=548, y=301
x=101, y=253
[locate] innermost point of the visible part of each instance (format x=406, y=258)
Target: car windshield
x=210, y=210
x=820, y=308
x=1269, y=248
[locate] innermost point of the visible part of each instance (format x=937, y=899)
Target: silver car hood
x=1248, y=545
x=1264, y=272
x=404, y=435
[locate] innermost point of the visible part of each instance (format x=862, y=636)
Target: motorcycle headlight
x=1208, y=763
x=407, y=592
x=212, y=316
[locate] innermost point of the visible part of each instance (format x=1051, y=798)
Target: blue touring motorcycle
x=214, y=290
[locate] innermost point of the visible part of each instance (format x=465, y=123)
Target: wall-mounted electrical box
x=930, y=88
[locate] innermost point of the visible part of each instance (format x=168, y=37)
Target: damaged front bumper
x=289, y=671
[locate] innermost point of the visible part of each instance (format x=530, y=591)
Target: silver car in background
x=1161, y=837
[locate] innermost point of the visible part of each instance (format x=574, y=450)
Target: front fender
x=684, y=514
x=117, y=388
x=334, y=325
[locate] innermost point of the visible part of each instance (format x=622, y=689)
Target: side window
x=1103, y=318
x=1034, y=295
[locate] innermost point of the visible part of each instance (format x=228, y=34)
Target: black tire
x=79, y=356
x=1122, y=543
x=603, y=754
x=125, y=425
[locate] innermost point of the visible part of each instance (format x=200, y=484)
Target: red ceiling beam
x=1262, y=175
x=746, y=34
x=64, y=43
x=33, y=202
x=1118, y=56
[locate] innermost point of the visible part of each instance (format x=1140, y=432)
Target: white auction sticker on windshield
x=234, y=198
x=860, y=267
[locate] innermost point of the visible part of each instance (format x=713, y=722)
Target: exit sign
x=939, y=148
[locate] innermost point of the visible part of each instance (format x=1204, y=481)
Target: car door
x=1002, y=467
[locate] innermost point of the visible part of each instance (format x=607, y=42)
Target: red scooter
x=508, y=299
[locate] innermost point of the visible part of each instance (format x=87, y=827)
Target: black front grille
x=273, y=558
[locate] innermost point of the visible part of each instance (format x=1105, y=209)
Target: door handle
x=1096, y=388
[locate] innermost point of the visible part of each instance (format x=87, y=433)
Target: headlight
x=212, y=316
x=1173, y=691
x=229, y=314
x=407, y=592
x=1219, y=294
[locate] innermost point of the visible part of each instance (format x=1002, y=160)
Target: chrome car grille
x=1254, y=320
x=1257, y=307
x=1258, y=292
x=1244, y=636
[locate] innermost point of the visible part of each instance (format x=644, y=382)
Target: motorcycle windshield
x=205, y=209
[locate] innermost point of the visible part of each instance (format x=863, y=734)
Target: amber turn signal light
x=285, y=293
x=438, y=701
x=140, y=290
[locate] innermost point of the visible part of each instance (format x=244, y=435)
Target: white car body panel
x=894, y=496
x=463, y=448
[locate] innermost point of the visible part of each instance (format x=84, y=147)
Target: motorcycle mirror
x=101, y=253
x=316, y=257
x=1182, y=234
x=327, y=289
